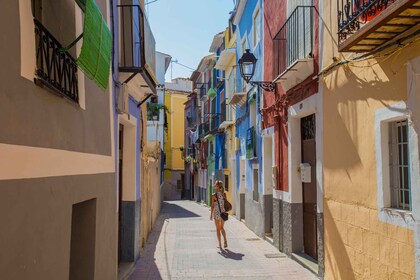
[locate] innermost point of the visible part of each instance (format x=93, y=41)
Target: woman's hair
x=220, y=184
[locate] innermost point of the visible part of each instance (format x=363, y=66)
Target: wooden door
x=120, y=186
x=309, y=189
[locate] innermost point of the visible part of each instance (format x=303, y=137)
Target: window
x=243, y=45
x=255, y=184
x=399, y=165
x=257, y=27
x=226, y=183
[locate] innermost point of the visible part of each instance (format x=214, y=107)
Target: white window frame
x=256, y=18
x=383, y=117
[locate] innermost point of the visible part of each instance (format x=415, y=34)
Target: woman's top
x=216, y=212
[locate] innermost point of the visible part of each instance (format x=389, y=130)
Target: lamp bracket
x=267, y=86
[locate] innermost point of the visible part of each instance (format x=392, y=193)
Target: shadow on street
x=228, y=254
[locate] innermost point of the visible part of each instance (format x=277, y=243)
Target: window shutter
x=95, y=56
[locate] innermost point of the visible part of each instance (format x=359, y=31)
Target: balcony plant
x=153, y=110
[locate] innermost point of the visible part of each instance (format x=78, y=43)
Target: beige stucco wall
x=357, y=244
x=150, y=188
x=54, y=153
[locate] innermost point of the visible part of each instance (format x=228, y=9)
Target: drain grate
x=252, y=239
x=274, y=256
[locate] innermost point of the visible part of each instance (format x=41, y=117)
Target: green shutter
x=95, y=57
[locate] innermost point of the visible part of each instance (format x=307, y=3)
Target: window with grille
x=399, y=165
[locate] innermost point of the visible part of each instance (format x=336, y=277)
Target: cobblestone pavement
x=183, y=245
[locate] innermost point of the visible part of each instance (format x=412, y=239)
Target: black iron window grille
x=352, y=14
x=295, y=39
x=55, y=68
x=307, y=127
x=399, y=165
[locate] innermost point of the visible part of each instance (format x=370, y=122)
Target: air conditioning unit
x=122, y=94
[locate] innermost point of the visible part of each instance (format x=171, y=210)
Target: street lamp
x=247, y=68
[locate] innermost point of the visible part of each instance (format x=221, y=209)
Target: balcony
x=226, y=116
x=201, y=89
x=293, y=48
x=225, y=59
x=137, y=47
x=236, y=88
x=364, y=25
x=203, y=129
x=213, y=123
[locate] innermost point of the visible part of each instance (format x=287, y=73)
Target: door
x=120, y=186
x=309, y=189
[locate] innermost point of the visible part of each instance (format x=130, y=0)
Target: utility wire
x=370, y=55
x=176, y=61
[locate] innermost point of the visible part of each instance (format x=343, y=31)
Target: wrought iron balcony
x=293, y=48
x=213, y=119
x=201, y=89
x=364, y=25
x=137, y=44
x=204, y=129
x=55, y=68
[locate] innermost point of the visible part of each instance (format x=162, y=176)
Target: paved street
x=183, y=245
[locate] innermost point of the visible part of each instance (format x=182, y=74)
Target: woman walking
x=217, y=207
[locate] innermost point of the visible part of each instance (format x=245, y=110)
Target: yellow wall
x=357, y=244
x=176, y=131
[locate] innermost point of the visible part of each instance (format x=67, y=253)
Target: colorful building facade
x=370, y=88
x=176, y=95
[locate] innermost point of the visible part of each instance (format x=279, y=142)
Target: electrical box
x=305, y=172
x=274, y=177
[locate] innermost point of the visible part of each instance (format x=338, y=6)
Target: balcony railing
x=295, y=39
x=223, y=111
x=201, y=89
x=137, y=43
x=213, y=122
x=55, y=68
x=363, y=25
x=204, y=129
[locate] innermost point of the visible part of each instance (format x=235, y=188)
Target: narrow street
x=183, y=245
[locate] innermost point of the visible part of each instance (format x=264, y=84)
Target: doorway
x=309, y=191
x=83, y=237
x=120, y=187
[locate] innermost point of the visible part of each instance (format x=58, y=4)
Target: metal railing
x=352, y=14
x=295, y=39
x=55, y=68
x=213, y=122
x=204, y=129
x=223, y=111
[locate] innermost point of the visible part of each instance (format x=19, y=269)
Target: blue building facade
x=251, y=201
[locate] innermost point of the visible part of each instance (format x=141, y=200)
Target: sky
x=185, y=29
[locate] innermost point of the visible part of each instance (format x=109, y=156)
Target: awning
x=225, y=58
x=95, y=56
